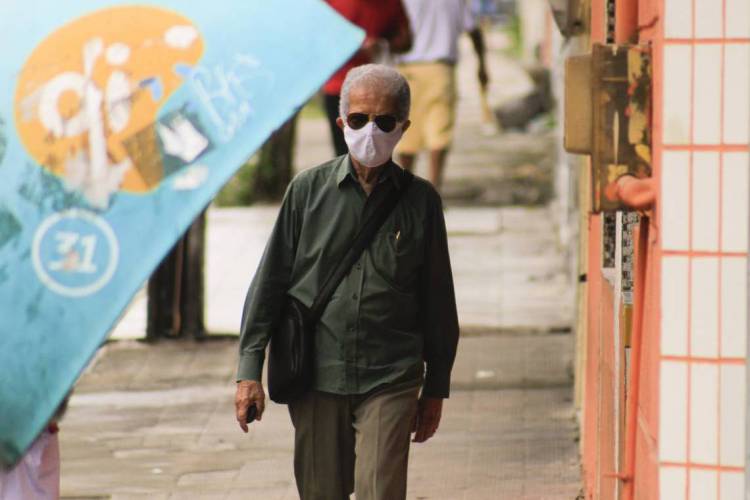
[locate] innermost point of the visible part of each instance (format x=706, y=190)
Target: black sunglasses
x=386, y=123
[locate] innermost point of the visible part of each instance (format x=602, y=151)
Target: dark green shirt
x=392, y=316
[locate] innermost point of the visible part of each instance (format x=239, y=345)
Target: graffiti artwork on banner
x=80, y=117
x=228, y=93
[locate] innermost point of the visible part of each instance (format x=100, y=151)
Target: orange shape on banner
x=88, y=96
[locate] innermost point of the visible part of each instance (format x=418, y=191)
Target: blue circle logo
x=75, y=253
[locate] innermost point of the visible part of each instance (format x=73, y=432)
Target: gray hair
x=380, y=77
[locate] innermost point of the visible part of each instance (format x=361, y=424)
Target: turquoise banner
x=118, y=124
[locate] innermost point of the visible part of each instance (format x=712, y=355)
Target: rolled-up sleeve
x=438, y=305
x=268, y=290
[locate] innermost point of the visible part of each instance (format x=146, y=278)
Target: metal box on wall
x=608, y=116
x=569, y=15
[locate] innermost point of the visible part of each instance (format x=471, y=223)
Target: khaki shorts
x=433, y=106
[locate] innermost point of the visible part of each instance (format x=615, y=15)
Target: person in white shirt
x=430, y=69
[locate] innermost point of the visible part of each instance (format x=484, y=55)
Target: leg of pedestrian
x=411, y=143
x=433, y=88
x=440, y=117
x=383, y=423
x=323, y=446
x=437, y=166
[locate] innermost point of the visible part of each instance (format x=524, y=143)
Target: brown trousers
x=359, y=443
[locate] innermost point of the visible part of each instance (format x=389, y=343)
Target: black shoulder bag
x=291, y=354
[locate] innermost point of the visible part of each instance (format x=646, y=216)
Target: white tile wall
x=677, y=84
x=737, y=18
x=674, y=306
x=672, y=482
x=703, y=485
x=673, y=411
x=732, y=415
x=732, y=486
x=705, y=201
x=678, y=21
x=734, y=199
x=707, y=19
x=675, y=188
x=707, y=96
x=717, y=392
x=704, y=409
x=704, y=307
x=733, y=307
x=736, y=95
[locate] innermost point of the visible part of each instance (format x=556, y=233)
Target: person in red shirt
x=386, y=25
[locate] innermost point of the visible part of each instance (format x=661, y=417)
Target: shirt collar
x=346, y=169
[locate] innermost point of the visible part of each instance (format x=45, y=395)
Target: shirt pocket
x=396, y=255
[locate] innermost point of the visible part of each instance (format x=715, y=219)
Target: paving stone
x=519, y=440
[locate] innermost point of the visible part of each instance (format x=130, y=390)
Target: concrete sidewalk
x=157, y=421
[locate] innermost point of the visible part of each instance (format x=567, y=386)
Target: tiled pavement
x=156, y=421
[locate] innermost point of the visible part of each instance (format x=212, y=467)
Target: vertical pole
x=631, y=424
x=191, y=303
x=175, y=289
x=161, y=288
x=747, y=387
x=626, y=30
x=626, y=21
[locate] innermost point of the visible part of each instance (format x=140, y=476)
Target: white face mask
x=371, y=146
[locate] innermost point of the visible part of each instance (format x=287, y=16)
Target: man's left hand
x=427, y=421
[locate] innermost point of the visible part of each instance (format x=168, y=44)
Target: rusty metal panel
x=608, y=116
x=570, y=16
x=621, y=92
x=578, y=113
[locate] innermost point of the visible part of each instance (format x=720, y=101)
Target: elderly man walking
x=386, y=340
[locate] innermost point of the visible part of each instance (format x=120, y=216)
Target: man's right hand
x=249, y=392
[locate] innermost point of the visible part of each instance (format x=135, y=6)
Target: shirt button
x=359, y=267
x=354, y=296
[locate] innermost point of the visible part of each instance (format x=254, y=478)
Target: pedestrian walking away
x=387, y=31
x=430, y=69
x=385, y=343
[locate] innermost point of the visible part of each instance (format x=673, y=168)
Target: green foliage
x=265, y=176
x=239, y=190
x=313, y=109
x=515, y=35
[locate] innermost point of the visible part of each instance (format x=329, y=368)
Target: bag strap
x=362, y=240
